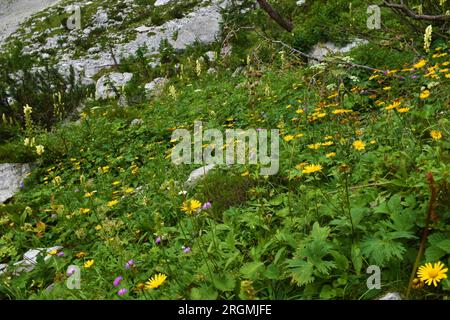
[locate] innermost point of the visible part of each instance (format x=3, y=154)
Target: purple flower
x=71, y=271
x=129, y=264
x=158, y=240
x=206, y=206
x=117, y=281
x=187, y=250
x=22, y=185
x=121, y=292
x=61, y=254
x=414, y=77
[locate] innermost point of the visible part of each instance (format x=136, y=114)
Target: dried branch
x=286, y=24
x=405, y=10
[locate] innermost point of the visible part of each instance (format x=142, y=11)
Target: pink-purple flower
x=121, y=292
x=158, y=240
x=117, y=281
x=206, y=206
x=186, y=249
x=129, y=264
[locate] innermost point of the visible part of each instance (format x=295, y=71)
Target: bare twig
x=286, y=24
x=405, y=10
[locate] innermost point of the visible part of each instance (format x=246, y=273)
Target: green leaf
x=204, y=293
x=251, y=270
x=301, y=271
x=356, y=258
x=224, y=282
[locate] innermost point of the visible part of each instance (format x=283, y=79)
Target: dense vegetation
x=364, y=169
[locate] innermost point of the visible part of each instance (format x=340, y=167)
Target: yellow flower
x=312, y=168
x=424, y=94
x=432, y=274
x=447, y=75
x=288, y=138
x=436, y=135
x=359, y=145
x=191, y=206
x=98, y=227
x=85, y=210
x=53, y=252
x=105, y=169
x=330, y=155
x=393, y=105
x=417, y=284
x=80, y=255
x=373, y=142
x=402, y=110
x=89, y=264
x=420, y=64
x=89, y=194
x=314, y=146
x=40, y=150
x=116, y=183
x=387, y=88
x=129, y=190
x=340, y=111
x=327, y=143
x=112, y=203
x=299, y=111
x=245, y=174
x=155, y=281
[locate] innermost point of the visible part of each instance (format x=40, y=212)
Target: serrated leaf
x=250, y=270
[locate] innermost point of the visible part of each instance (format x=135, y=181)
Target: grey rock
x=155, y=87
x=106, y=84
x=30, y=259
x=391, y=296
x=159, y=3
x=320, y=50
x=199, y=173
x=11, y=177
x=136, y=122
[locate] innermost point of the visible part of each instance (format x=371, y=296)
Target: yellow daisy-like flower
x=85, y=210
x=245, y=174
x=393, y=105
x=312, y=168
x=402, y=110
x=424, y=94
x=327, y=143
x=53, y=252
x=436, y=135
x=112, y=203
x=191, y=206
x=129, y=190
x=432, y=274
x=314, y=146
x=359, y=145
x=88, y=263
x=288, y=138
x=330, y=155
x=98, y=227
x=420, y=64
x=155, y=281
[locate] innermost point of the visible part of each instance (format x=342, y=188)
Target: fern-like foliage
x=314, y=257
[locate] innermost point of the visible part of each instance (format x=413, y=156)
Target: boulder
x=30, y=259
x=199, y=173
x=108, y=84
x=155, y=87
x=320, y=50
x=11, y=178
x=159, y=3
